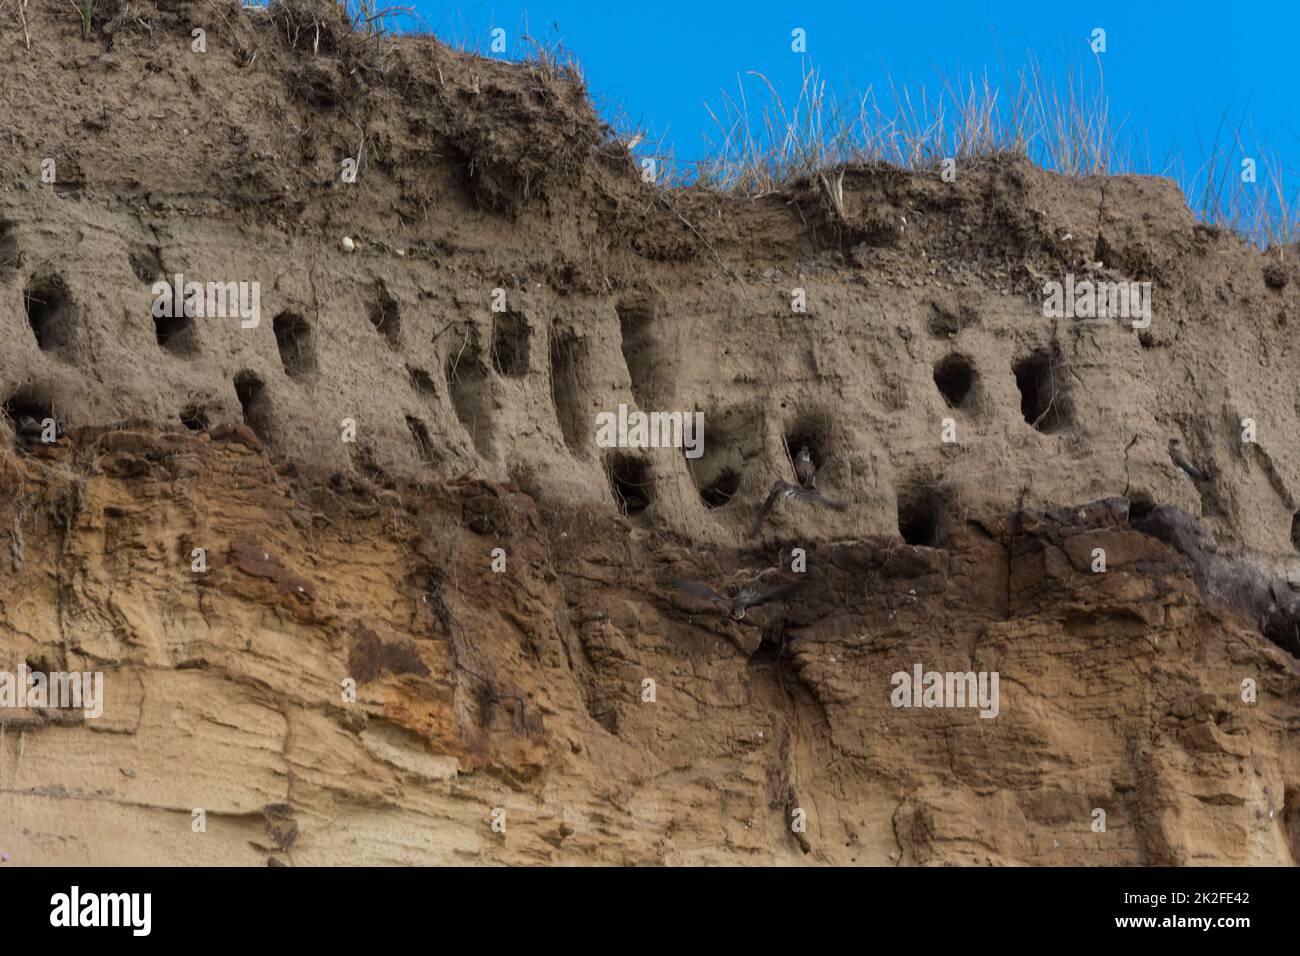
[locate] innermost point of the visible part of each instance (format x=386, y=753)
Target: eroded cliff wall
x=523, y=690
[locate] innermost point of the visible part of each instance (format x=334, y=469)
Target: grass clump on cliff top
x=763, y=142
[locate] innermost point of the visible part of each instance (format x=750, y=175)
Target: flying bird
x=739, y=597
x=805, y=470
x=1182, y=461
x=784, y=491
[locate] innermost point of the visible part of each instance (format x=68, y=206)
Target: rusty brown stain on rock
x=370, y=656
x=252, y=559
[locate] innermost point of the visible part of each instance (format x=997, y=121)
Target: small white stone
x=347, y=244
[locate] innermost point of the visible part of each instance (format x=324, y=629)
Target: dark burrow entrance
x=510, y=344
x=719, y=449
x=385, y=315
x=1283, y=630
x=50, y=313
x=813, y=432
x=721, y=489
x=423, y=443
x=421, y=381
x=629, y=480
x=293, y=337
x=177, y=334
x=955, y=376
x=1140, y=504
x=194, y=417
x=251, y=392
x=29, y=404
x=922, y=516
x=1043, y=401
x=466, y=384
x=1291, y=819
x=567, y=362
x=636, y=317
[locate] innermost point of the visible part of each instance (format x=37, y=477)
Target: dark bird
x=738, y=598
x=783, y=491
x=1182, y=461
x=29, y=429
x=805, y=470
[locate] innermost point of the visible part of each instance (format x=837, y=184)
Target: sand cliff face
x=521, y=694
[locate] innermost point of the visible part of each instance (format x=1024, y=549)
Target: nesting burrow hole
x=1295, y=531
x=466, y=377
x=385, y=315
x=195, y=418
x=510, y=344
x=629, y=480
x=421, y=381
x=293, y=337
x=1291, y=819
x=568, y=371
x=423, y=443
x=636, y=318
x=729, y=440
x=1043, y=400
x=177, y=333
x=365, y=461
x=28, y=402
x=923, y=515
x=721, y=489
x=811, y=430
x=954, y=376
x=251, y=392
x=50, y=313
x=1140, y=505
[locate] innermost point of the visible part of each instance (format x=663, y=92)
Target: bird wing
x=777, y=489
x=750, y=598
x=1183, y=462
x=699, y=590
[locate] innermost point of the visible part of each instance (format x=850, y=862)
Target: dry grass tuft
x=764, y=142
x=760, y=148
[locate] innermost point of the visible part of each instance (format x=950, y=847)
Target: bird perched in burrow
x=804, y=469
x=784, y=491
x=736, y=598
x=30, y=431
x=1179, y=457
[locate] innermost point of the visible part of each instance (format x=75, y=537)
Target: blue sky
x=1176, y=73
